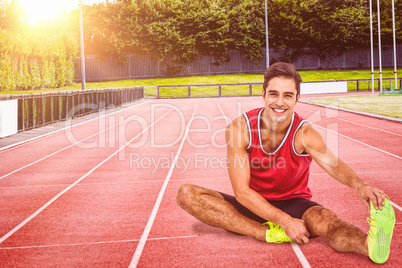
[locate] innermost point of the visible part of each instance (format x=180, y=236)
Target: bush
x=34, y=60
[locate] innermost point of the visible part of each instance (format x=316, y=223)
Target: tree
x=111, y=29
x=247, y=27
x=34, y=57
x=11, y=16
x=323, y=26
x=183, y=30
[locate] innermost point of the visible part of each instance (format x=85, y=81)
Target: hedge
x=36, y=60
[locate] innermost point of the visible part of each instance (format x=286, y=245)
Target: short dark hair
x=282, y=69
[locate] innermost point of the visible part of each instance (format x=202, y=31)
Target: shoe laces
x=372, y=223
x=276, y=233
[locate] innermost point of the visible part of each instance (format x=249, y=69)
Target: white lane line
x=300, y=255
x=102, y=242
x=148, y=227
x=351, y=122
x=372, y=147
x=16, y=145
x=65, y=148
x=396, y=206
x=379, y=129
x=245, y=107
x=19, y=226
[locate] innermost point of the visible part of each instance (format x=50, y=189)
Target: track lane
x=64, y=230
x=13, y=158
x=209, y=245
x=86, y=169
x=144, y=237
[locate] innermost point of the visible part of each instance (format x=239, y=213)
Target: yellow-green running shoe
x=379, y=236
x=275, y=233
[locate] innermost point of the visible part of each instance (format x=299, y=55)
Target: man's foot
x=379, y=236
x=275, y=233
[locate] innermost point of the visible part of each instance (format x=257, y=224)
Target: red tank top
x=280, y=175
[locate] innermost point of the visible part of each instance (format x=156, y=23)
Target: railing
x=239, y=89
x=358, y=81
x=40, y=109
x=212, y=90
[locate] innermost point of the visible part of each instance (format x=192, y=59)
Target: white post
x=393, y=32
x=82, y=49
x=379, y=42
x=371, y=46
x=266, y=33
x=8, y=117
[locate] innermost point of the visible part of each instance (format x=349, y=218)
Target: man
x=269, y=153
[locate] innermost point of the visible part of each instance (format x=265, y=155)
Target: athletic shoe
x=275, y=233
x=379, y=236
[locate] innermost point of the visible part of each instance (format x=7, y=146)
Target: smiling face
x=280, y=97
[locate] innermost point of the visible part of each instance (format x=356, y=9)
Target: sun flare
x=45, y=10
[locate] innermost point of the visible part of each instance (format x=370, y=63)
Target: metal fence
x=204, y=90
x=37, y=110
x=145, y=66
x=247, y=89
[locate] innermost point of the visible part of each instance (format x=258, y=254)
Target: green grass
x=344, y=74
x=150, y=84
x=388, y=105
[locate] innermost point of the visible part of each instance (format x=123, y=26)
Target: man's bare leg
x=343, y=236
x=211, y=208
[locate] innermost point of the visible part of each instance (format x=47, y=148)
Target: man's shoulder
x=237, y=123
x=307, y=135
x=238, y=130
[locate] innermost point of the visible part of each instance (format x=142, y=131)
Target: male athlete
x=269, y=152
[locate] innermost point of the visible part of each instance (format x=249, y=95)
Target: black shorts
x=294, y=207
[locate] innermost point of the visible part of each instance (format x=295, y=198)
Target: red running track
x=102, y=193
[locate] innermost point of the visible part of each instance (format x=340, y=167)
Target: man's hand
x=367, y=193
x=296, y=230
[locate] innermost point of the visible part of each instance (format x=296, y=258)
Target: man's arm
x=312, y=143
x=239, y=172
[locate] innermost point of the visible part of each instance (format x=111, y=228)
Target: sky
x=42, y=10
